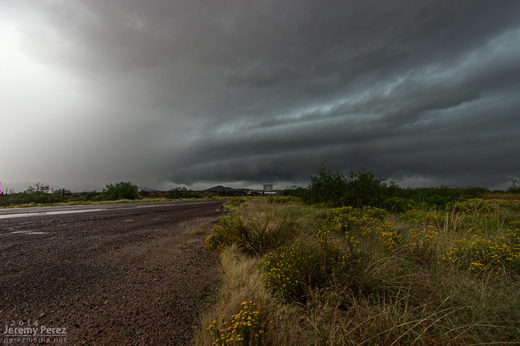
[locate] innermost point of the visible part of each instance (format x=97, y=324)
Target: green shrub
x=423, y=247
x=295, y=270
x=121, y=190
x=327, y=187
x=368, y=224
x=364, y=189
x=229, y=230
x=234, y=202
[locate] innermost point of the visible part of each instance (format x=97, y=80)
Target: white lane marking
x=28, y=232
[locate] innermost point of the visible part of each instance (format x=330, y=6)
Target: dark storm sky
x=240, y=93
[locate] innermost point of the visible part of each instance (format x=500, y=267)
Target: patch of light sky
x=22, y=78
x=497, y=51
x=36, y=98
x=29, y=89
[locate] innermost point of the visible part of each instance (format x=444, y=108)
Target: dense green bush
x=327, y=187
x=364, y=189
x=121, y=190
x=357, y=190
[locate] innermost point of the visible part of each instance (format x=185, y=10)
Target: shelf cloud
x=165, y=93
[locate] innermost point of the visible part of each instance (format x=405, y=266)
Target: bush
x=358, y=190
x=479, y=254
x=37, y=194
x=296, y=270
x=229, y=230
x=423, y=246
x=327, y=187
x=234, y=202
x=121, y=190
x=364, y=189
x=365, y=224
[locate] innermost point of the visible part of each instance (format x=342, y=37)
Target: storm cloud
x=200, y=93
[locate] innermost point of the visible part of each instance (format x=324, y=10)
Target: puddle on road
x=43, y=213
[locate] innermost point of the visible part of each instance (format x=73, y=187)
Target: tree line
x=363, y=188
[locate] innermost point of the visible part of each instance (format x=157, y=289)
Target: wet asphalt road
x=127, y=274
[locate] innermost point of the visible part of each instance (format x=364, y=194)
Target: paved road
x=128, y=274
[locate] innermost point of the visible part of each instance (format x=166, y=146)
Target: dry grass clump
x=257, y=227
x=240, y=282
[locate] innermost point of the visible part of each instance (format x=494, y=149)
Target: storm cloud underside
x=166, y=93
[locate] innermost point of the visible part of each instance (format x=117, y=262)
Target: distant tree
x=514, y=188
x=121, y=190
x=39, y=194
x=38, y=188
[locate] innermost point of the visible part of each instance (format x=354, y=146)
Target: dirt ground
x=109, y=278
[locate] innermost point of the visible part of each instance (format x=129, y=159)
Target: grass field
x=294, y=274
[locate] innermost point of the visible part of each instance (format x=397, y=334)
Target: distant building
x=268, y=187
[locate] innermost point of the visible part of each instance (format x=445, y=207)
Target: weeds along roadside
x=363, y=276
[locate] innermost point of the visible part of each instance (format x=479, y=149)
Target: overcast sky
x=167, y=93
